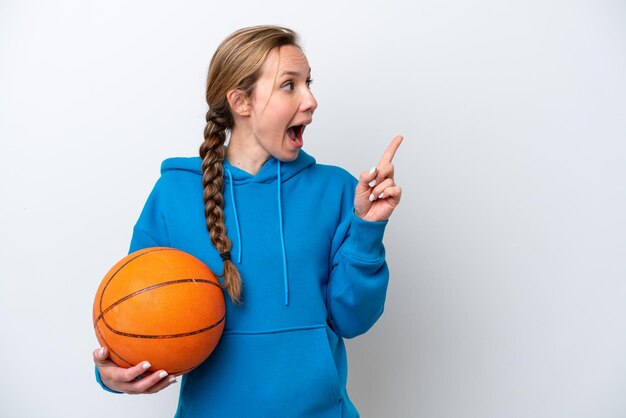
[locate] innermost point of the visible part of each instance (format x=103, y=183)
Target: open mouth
x=295, y=134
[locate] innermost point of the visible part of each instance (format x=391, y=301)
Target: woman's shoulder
x=178, y=174
x=181, y=165
x=333, y=172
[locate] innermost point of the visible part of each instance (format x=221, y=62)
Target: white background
x=508, y=253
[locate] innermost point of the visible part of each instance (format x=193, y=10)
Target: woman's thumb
x=100, y=355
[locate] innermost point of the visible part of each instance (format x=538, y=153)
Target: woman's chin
x=290, y=156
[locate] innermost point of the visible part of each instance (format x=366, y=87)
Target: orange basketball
x=161, y=305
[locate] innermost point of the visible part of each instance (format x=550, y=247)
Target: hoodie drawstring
x=280, y=223
x=282, y=239
x=232, y=199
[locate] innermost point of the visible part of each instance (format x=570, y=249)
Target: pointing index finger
x=391, y=149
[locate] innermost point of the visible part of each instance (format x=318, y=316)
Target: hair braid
x=212, y=155
x=236, y=64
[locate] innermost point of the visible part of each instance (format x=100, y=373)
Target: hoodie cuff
x=366, y=238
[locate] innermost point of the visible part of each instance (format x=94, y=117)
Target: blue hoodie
x=313, y=273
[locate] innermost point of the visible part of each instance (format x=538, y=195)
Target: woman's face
x=282, y=104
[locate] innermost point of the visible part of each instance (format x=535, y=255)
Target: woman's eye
x=291, y=86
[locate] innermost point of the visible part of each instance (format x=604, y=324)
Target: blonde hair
x=236, y=64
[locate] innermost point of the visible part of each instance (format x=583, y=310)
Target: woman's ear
x=239, y=102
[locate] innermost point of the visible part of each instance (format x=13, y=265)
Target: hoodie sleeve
x=359, y=275
x=151, y=228
x=149, y=231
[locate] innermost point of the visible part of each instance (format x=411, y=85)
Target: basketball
x=160, y=305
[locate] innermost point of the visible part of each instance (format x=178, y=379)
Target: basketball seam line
x=158, y=337
x=146, y=289
x=120, y=268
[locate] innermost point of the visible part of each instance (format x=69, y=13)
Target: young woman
x=299, y=244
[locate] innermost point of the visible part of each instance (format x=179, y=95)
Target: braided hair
x=236, y=64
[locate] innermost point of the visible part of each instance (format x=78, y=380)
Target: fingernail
x=162, y=375
x=101, y=352
x=372, y=183
x=381, y=195
x=173, y=380
x=373, y=169
x=372, y=197
x=146, y=365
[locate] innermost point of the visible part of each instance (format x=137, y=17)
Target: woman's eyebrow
x=293, y=73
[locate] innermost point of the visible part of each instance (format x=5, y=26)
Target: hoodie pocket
x=281, y=374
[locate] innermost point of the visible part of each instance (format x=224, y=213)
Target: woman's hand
x=376, y=193
x=124, y=380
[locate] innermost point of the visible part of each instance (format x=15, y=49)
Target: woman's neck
x=245, y=153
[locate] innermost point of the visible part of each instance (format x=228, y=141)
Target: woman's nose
x=308, y=102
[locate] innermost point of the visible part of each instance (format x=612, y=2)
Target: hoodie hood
x=267, y=174
x=273, y=171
